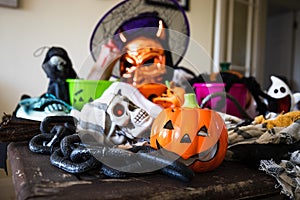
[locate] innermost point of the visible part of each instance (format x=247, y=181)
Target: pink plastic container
x=238, y=91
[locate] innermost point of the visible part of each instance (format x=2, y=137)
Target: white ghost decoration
x=285, y=98
x=279, y=89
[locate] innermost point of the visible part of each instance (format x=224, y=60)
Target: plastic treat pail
x=85, y=91
x=238, y=91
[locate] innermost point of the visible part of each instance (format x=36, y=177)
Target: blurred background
x=69, y=24
x=259, y=38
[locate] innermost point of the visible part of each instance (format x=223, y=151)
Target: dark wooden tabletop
x=35, y=178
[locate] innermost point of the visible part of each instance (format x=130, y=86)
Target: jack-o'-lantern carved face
x=198, y=136
x=144, y=61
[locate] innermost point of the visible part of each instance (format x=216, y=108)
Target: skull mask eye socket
x=118, y=110
x=131, y=106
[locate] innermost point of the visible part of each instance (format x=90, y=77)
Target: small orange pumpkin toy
x=198, y=136
x=164, y=95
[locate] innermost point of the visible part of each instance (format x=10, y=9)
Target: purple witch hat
x=145, y=24
x=132, y=16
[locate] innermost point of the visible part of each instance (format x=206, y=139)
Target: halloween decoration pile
x=112, y=133
x=104, y=136
x=271, y=142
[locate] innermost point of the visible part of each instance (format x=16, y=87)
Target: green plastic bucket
x=84, y=91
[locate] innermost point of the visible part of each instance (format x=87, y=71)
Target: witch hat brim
x=169, y=10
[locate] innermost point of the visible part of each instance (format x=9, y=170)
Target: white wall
x=279, y=46
x=201, y=19
x=296, y=72
x=69, y=24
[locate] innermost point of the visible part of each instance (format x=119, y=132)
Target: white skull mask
x=122, y=113
x=132, y=120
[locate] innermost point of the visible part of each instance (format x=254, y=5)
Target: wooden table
x=35, y=178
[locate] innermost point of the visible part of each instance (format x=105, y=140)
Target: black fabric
x=57, y=85
x=229, y=79
x=3, y=156
x=255, y=89
x=252, y=154
x=60, y=89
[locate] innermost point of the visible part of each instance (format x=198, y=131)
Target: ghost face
x=283, y=99
x=144, y=61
